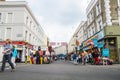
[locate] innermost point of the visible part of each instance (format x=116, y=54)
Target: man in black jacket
x=38, y=55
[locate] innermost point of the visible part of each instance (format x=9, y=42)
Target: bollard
x=41, y=60
x=26, y=59
x=30, y=60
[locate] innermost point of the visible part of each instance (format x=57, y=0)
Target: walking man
x=7, y=55
x=38, y=55
x=75, y=58
x=84, y=58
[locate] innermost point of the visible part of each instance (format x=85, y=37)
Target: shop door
x=113, y=49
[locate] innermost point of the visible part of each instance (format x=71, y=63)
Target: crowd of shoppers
x=34, y=57
x=93, y=57
x=41, y=56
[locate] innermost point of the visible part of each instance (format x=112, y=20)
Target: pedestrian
x=34, y=56
x=7, y=55
x=84, y=57
x=96, y=58
x=26, y=55
x=31, y=56
x=14, y=55
x=90, y=57
x=38, y=55
x=79, y=58
x=87, y=57
x=75, y=58
x=45, y=59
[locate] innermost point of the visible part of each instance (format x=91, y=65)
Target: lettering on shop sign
x=110, y=33
x=19, y=46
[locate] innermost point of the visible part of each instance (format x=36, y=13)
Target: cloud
x=59, y=18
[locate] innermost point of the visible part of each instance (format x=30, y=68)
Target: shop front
x=21, y=47
x=95, y=44
x=112, y=41
x=108, y=38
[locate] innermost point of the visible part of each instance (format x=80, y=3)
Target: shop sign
x=95, y=41
x=29, y=46
x=100, y=45
x=14, y=42
x=2, y=42
x=106, y=52
x=90, y=42
x=19, y=46
x=96, y=36
x=18, y=42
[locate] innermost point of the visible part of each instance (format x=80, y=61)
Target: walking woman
x=14, y=55
x=7, y=55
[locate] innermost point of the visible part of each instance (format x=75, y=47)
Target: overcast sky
x=58, y=18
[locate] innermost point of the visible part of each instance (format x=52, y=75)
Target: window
x=8, y=33
x=0, y=35
x=9, y=19
x=0, y=17
x=34, y=28
x=92, y=15
x=100, y=25
x=29, y=38
x=93, y=30
x=89, y=32
x=85, y=35
x=26, y=20
x=30, y=24
x=98, y=9
x=26, y=35
x=33, y=40
x=88, y=20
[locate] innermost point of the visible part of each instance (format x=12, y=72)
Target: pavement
x=61, y=70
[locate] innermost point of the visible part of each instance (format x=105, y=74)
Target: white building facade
x=77, y=38
x=103, y=26
x=19, y=24
x=60, y=50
